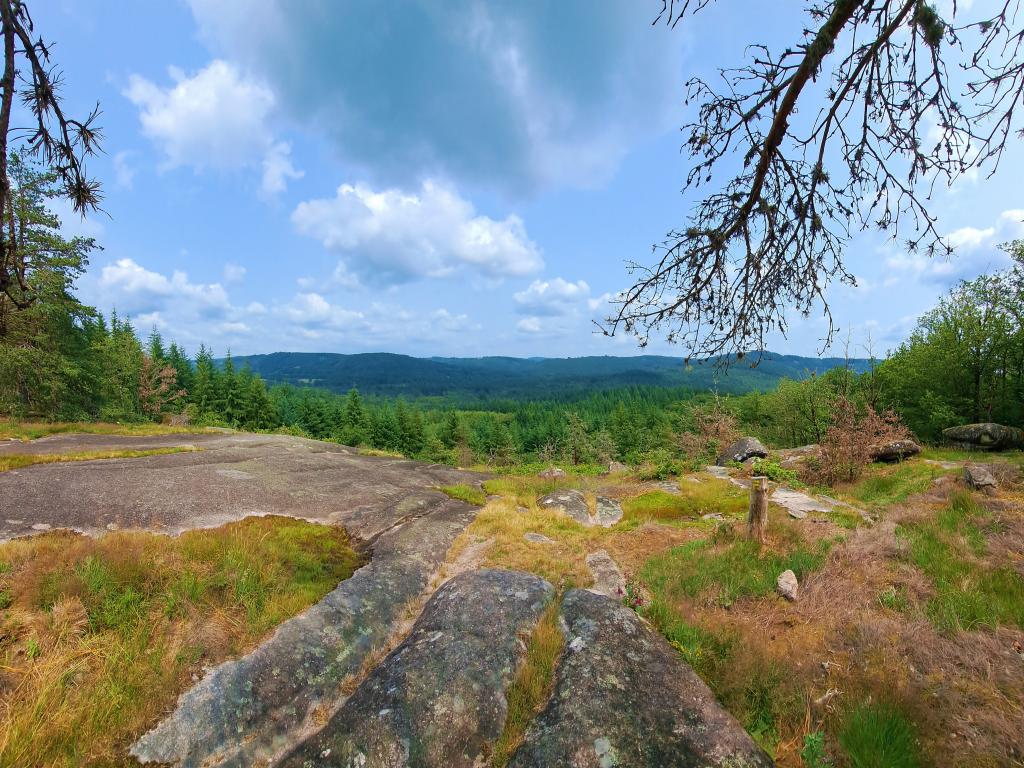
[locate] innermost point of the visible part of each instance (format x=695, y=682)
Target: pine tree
x=204, y=384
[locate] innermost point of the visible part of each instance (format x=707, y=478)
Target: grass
x=31, y=430
x=467, y=493
x=21, y=460
x=878, y=735
x=969, y=592
x=101, y=635
x=694, y=500
x=532, y=685
x=886, y=485
x=728, y=572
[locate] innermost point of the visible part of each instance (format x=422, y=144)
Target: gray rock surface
x=608, y=579
x=743, y=449
x=568, y=502
x=247, y=710
x=437, y=700
x=985, y=436
x=607, y=513
x=538, y=538
x=787, y=585
x=894, y=450
x=617, y=468
x=624, y=697
x=552, y=473
x=231, y=476
x=979, y=477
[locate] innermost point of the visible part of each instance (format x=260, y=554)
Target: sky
x=430, y=178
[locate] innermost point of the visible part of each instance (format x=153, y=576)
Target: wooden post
x=757, y=519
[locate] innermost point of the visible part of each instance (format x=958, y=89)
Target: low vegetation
x=98, y=636
x=467, y=493
x=18, y=461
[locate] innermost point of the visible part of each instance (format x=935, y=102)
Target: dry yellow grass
x=99, y=636
x=18, y=461
x=30, y=430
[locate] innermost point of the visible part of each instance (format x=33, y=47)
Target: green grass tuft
x=467, y=493
x=877, y=735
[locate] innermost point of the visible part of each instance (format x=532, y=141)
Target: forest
x=63, y=360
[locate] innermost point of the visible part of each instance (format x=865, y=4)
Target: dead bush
x=713, y=427
x=846, y=448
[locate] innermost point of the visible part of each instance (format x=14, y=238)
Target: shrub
x=846, y=447
x=775, y=471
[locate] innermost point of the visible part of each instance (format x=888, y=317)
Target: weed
x=813, y=753
x=894, y=598
x=467, y=493
x=877, y=735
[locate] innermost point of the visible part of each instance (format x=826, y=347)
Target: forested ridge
x=63, y=360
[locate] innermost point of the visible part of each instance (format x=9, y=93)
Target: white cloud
x=529, y=325
x=218, y=118
x=233, y=273
x=124, y=173
x=278, y=168
x=551, y=297
x=312, y=309
x=134, y=289
x=600, y=301
x=391, y=237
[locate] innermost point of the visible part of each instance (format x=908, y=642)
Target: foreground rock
x=979, y=478
x=248, y=710
x=437, y=700
x=743, y=449
x=623, y=697
x=574, y=504
x=229, y=477
x=894, y=450
x=987, y=436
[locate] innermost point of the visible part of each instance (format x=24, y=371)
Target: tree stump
x=757, y=519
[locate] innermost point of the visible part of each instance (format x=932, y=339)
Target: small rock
x=788, y=585
x=523, y=510
x=979, y=478
x=608, y=513
x=41, y=527
x=552, y=473
x=668, y=487
x=608, y=579
x=112, y=526
x=894, y=450
x=712, y=516
x=617, y=468
x=538, y=538
x=797, y=514
x=493, y=497
x=743, y=449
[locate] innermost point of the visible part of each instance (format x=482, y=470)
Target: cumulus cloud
x=390, y=236
x=218, y=118
x=551, y=297
x=975, y=252
x=133, y=288
x=233, y=273
x=494, y=93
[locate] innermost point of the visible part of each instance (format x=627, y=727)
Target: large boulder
x=743, y=449
x=894, y=450
x=574, y=504
x=438, y=700
x=987, y=436
x=624, y=697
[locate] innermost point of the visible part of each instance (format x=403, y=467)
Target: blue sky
x=432, y=178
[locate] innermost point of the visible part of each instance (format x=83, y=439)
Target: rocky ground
x=412, y=660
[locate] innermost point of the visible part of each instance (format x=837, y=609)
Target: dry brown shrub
x=68, y=618
x=714, y=428
x=846, y=448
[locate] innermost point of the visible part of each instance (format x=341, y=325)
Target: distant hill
x=483, y=378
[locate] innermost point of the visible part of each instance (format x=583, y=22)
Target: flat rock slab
x=608, y=512
x=246, y=711
x=231, y=476
x=538, y=538
x=608, y=579
x=624, y=697
x=438, y=700
x=801, y=503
